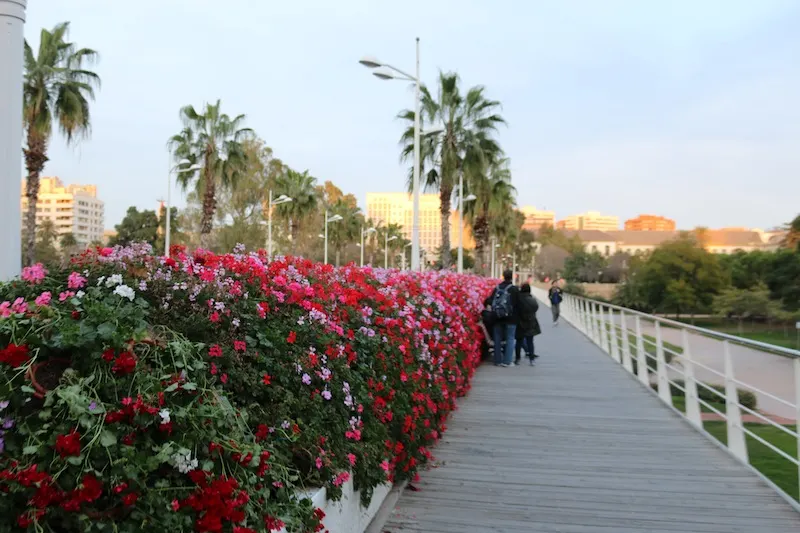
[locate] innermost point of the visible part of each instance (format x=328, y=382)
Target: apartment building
x=536, y=218
x=650, y=223
x=397, y=208
x=591, y=220
x=72, y=209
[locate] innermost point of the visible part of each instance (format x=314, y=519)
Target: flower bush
x=209, y=393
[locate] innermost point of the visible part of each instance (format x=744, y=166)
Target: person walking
x=504, y=302
x=528, y=326
x=556, y=296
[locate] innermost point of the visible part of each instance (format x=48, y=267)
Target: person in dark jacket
x=504, y=301
x=528, y=326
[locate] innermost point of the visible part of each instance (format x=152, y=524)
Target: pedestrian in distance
x=528, y=326
x=555, y=296
x=504, y=302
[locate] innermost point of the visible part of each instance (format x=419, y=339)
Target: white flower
x=116, y=279
x=100, y=280
x=164, y=414
x=125, y=292
x=80, y=294
x=183, y=461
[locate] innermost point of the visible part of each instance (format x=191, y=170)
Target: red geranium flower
x=14, y=355
x=267, y=379
x=292, y=337
x=69, y=445
x=130, y=498
x=124, y=364
x=239, y=346
x=215, y=351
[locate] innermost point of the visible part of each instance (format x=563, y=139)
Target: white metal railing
x=699, y=357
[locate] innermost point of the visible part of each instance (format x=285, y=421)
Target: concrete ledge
x=348, y=515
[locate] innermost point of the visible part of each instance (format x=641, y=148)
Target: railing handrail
x=761, y=346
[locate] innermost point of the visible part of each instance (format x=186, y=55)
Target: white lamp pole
x=398, y=74
x=282, y=199
x=386, y=249
x=461, y=201
x=363, y=233
x=12, y=21
x=328, y=220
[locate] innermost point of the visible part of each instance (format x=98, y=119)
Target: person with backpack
x=556, y=296
x=504, y=302
x=528, y=326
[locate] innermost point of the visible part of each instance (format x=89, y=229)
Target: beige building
x=536, y=218
x=72, y=209
x=397, y=208
x=591, y=220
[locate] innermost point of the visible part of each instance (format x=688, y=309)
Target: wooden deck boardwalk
x=576, y=445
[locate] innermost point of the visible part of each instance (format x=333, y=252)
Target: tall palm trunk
x=35, y=158
x=445, y=195
x=209, y=206
x=481, y=233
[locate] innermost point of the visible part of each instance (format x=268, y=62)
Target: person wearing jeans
x=505, y=327
x=555, y=295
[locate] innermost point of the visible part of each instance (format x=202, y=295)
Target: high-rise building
x=591, y=220
x=72, y=209
x=650, y=223
x=398, y=208
x=536, y=218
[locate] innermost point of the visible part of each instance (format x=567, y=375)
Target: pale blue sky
x=685, y=108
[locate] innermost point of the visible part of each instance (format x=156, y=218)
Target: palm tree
x=494, y=204
x=346, y=231
x=464, y=147
x=301, y=188
x=216, y=142
x=56, y=88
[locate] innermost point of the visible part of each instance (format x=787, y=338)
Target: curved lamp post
x=328, y=220
x=365, y=232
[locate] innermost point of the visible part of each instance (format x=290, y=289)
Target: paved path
x=576, y=445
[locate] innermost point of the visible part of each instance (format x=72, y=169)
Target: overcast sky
x=689, y=109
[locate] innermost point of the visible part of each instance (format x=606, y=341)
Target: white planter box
x=347, y=515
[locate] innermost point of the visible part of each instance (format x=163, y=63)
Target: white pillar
x=12, y=20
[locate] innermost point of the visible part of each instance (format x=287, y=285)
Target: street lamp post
x=282, y=199
x=386, y=249
x=12, y=22
x=364, y=232
x=396, y=74
x=461, y=201
x=177, y=170
x=328, y=220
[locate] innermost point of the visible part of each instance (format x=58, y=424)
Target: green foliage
x=679, y=277
x=746, y=303
x=746, y=398
x=584, y=267
x=137, y=226
x=548, y=235
x=574, y=288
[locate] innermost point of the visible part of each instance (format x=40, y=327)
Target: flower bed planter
x=347, y=515
x=245, y=381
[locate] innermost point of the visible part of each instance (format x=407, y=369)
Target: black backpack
x=501, y=302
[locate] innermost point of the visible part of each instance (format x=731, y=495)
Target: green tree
x=346, y=231
x=301, y=188
x=68, y=245
x=57, y=87
x=747, y=269
x=137, y=226
x=466, y=146
x=46, y=238
x=495, y=199
x=215, y=141
x=792, y=240
x=783, y=278
x=584, y=267
x=680, y=266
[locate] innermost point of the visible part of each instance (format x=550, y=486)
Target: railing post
x=603, y=330
x=689, y=383
x=626, y=345
x=736, y=438
x=641, y=358
x=661, y=368
x=614, y=338
x=584, y=318
x=595, y=325
x=797, y=406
